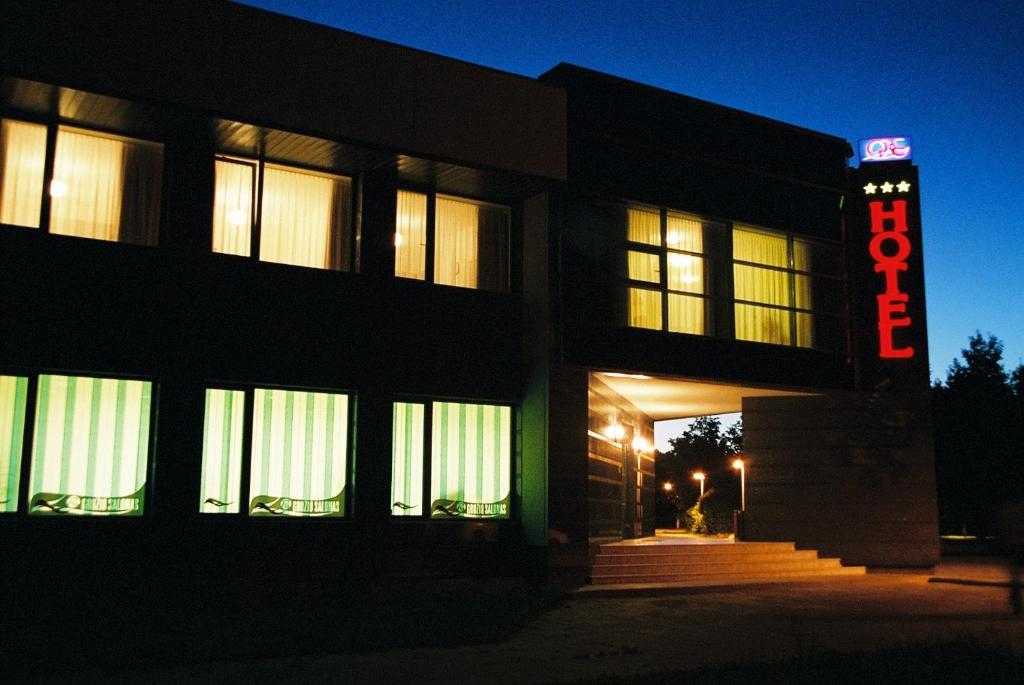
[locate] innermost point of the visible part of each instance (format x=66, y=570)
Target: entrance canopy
x=662, y=397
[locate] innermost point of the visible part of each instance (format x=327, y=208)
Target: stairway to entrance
x=702, y=561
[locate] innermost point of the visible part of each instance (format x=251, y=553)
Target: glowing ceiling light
x=870, y=189
x=640, y=445
x=887, y=187
x=236, y=217
x=58, y=188
x=903, y=186
x=634, y=376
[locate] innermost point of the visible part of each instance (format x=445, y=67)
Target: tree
x=704, y=447
x=978, y=423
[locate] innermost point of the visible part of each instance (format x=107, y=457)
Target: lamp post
x=699, y=476
x=739, y=466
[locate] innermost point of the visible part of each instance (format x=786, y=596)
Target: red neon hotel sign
x=890, y=248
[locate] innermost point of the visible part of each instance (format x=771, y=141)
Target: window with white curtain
x=296, y=216
x=470, y=241
x=298, y=462
x=665, y=267
x=103, y=186
x=772, y=287
x=469, y=450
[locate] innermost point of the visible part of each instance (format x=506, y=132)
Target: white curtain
x=685, y=272
x=644, y=226
x=643, y=266
x=298, y=219
x=22, y=158
x=411, y=235
x=456, y=242
x=86, y=188
x=803, y=290
x=772, y=287
x=685, y=314
x=684, y=233
x=645, y=308
x=233, y=206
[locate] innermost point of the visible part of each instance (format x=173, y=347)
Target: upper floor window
x=666, y=267
x=284, y=214
x=101, y=186
x=452, y=241
x=781, y=284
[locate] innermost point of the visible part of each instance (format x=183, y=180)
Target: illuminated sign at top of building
x=895, y=149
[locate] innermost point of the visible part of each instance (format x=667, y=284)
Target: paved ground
x=595, y=637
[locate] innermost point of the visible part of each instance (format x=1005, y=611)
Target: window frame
x=426, y=516
x=663, y=252
x=791, y=273
x=259, y=163
x=53, y=127
x=23, y=508
x=429, y=272
x=245, y=467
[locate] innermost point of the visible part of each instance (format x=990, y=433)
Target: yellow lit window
x=680, y=292
x=103, y=187
x=768, y=289
x=411, y=235
x=22, y=159
x=302, y=216
x=470, y=241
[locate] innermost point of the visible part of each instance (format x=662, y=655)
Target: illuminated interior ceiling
x=671, y=398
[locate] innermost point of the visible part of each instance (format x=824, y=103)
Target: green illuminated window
x=297, y=459
x=470, y=455
x=13, y=394
x=223, y=439
x=90, y=449
x=407, y=460
x=299, y=453
x=471, y=460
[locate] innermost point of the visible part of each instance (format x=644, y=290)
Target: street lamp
x=739, y=466
x=667, y=486
x=699, y=476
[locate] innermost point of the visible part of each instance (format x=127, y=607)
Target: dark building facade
x=283, y=300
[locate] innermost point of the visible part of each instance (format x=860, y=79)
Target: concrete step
x=685, y=549
x=724, y=578
x=750, y=557
x=659, y=562
x=712, y=567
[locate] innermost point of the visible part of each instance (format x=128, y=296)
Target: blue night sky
x=948, y=73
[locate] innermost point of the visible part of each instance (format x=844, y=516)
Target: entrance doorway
x=622, y=410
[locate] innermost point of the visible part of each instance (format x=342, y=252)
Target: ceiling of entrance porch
x=673, y=398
